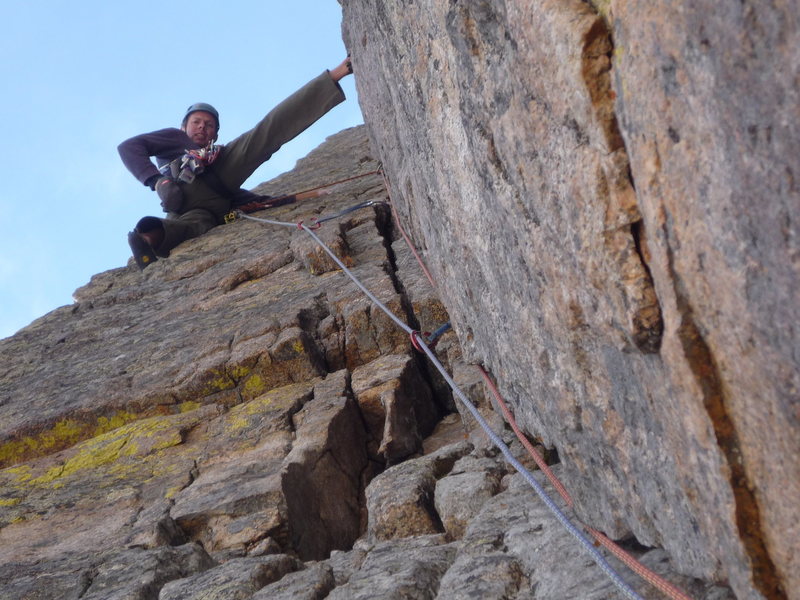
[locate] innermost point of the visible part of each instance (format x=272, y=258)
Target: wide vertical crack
x=309, y=320
x=439, y=388
x=748, y=517
x=624, y=227
x=372, y=468
x=596, y=57
x=705, y=370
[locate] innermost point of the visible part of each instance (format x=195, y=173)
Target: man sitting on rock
x=199, y=181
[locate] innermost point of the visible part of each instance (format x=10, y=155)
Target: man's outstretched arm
x=289, y=118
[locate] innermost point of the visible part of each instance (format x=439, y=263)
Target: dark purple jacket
x=166, y=145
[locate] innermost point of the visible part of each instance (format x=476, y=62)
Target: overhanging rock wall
x=606, y=193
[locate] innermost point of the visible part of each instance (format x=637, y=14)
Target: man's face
x=201, y=127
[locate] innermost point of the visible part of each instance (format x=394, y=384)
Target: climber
x=197, y=180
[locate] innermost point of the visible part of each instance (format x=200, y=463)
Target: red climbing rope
x=333, y=183
x=670, y=590
x=634, y=565
x=404, y=234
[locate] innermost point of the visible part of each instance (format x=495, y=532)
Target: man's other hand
x=170, y=194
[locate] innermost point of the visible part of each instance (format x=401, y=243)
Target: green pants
x=203, y=208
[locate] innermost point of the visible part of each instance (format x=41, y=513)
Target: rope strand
x=333, y=183
x=405, y=235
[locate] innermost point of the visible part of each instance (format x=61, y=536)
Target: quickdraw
x=428, y=338
x=314, y=225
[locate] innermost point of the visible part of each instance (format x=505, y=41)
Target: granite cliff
x=605, y=195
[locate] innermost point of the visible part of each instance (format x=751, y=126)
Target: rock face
x=207, y=403
x=238, y=422
x=606, y=194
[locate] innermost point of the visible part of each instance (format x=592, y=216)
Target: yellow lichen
x=130, y=441
x=171, y=492
x=63, y=434
x=188, y=406
x=603, y=7
x=297, y=346
x=106, y=424
x=90, y=457
x=21, y=473
x=9, y=501
x=258, y=406
x=239, y=372
x=218, y=382
x=64, y=431
x=275, y=401
x=254, y=386
x=237, y=423
x=240, y=417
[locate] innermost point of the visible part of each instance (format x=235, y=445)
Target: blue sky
x=80, y=77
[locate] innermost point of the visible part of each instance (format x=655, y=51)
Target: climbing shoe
x=142, y=252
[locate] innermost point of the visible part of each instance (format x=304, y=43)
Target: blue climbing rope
x=598, y=558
